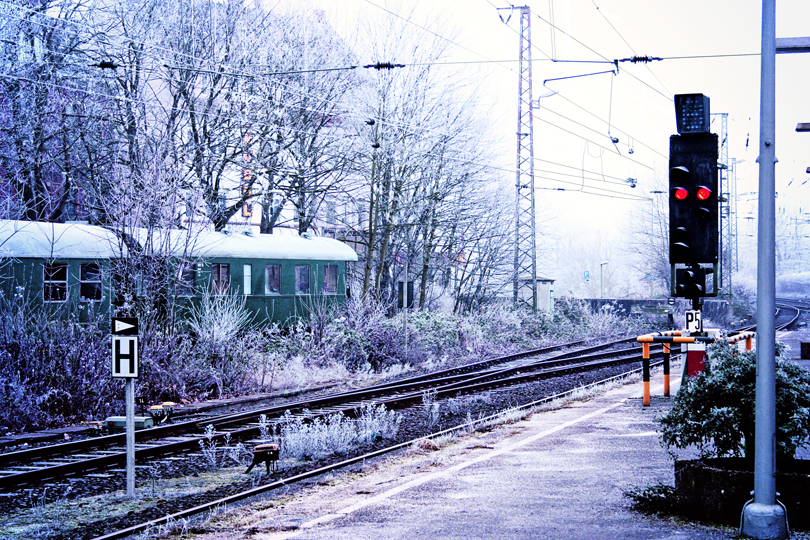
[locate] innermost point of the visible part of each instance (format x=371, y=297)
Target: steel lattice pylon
x=525, y=277
x=732, y=220
x=728, y=232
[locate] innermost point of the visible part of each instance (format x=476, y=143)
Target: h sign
x=124, y=347
x=125, y=357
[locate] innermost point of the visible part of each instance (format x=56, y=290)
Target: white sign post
x=124, y=365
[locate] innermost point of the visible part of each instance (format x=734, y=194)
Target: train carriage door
x=220, y=278
x=272, y=279
x=330, y=279
x=247, y=278
x=186, y=279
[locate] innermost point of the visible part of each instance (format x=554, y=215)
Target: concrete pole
x=764, y=518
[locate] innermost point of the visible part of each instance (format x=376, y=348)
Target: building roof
x=39, y=240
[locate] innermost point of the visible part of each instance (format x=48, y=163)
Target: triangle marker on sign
x=120, y=326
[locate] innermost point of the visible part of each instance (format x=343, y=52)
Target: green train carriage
x=280, y=277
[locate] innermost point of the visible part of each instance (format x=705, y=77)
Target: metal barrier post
x=666, y=369
x=646, y=373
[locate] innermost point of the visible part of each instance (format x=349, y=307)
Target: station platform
x=560, y=474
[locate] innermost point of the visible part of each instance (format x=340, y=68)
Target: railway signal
x=690, y=282
x=694, y=209
x=693, y=199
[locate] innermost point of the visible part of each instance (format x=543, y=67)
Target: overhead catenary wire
x=600, y=55
x=606, y=192
x=604, y=59
x=426, y=29
x=636, y=58
x=592, y=142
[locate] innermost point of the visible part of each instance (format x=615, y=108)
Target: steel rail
x=223, y=502
x=414, y=393
x=157, y=432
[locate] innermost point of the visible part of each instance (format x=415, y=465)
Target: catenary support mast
x=727, y=243
x=525, y=270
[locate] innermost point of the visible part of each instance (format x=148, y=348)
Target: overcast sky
x=572, y=127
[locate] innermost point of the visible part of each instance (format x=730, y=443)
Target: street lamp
x=601, y=281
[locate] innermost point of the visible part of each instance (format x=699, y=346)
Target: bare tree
x=51, y=144
x=649, y=236
x=423, y=167
x=307, y=155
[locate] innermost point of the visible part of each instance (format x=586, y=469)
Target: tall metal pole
x=405, y=293
x=130, y=438
x=525, y=277
x=735, y=258
x=764, y=518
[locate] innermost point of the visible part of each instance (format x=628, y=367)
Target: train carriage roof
x=220, y=245
x=29, y=239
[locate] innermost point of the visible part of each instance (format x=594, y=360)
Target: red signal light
x=703, y=193
x=681, y=193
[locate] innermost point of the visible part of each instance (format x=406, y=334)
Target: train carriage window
x=54, y=282
x=90, y=282
x=330, y=279
x=220, y=278
x=272, y=279
x=247, y=276
x=186, y=279
x=302, y=279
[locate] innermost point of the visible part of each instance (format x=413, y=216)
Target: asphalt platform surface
x=560, y=474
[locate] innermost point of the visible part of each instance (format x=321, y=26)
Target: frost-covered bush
x=714, y=411
x=217, y=319
x=306, y=440
x=336, y=433
x=53, y=370
x=434, y=332
x=361, y=335
x=375, y=422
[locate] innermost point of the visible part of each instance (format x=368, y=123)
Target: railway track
x=82, y=457
x=209, y=506
x=482, y=376
x=788, y=311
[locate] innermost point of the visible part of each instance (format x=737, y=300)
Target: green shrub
x=714, y=410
